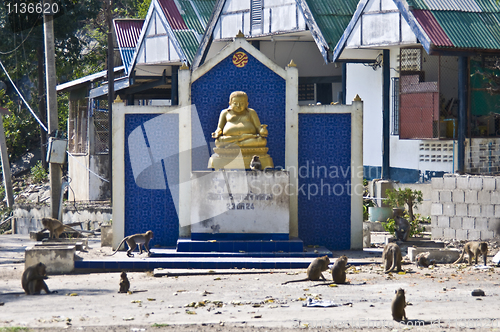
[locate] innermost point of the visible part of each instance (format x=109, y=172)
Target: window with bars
x=306, y=92
x=77, y=126
x=256, y=15
x=395, y=106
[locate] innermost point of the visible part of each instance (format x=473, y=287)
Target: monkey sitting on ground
x=423, y=260
x=255, y=164
x=32, y=280
x=402, y=228
x=55, y=227
x=136, y=240
x=314, y=270
x=124, y=283
x=474, y=249
x=338, y=270
x=398, y=306
x=391, y=257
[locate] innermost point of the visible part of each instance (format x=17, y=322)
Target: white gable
x=258, y=17
x=380, y=24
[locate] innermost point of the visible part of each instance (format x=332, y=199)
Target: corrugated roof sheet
x=204, y=8
x=464, y=24
x=172, y=14
x=332, y=17
x=127, y=31
x=432, y=28
x=190, y=18
x=127, y=56
x=189, y=43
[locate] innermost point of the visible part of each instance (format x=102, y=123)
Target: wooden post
x=7, y=177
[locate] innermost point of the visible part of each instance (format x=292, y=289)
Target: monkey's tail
x=460, y=258
x=290, y=281
x=393, y=266
x=117, y=248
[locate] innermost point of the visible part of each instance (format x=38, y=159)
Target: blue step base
x=256, y=246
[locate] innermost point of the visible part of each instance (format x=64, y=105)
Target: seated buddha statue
x=239, y=129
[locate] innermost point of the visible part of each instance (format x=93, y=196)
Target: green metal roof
x=332, y=17
x=205, y=8
x=189, y=43
x=189, y=16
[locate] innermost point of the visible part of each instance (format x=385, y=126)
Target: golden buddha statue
x=239, y=130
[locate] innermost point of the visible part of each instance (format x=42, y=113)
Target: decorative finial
x=292, y=64
x=357, y=98
x=184, y=66
x=118, y=100
x=240, y=34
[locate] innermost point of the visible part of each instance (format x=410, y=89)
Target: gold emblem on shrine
x=240, y=59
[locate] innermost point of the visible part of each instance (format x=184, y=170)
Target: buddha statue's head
x=238, y=101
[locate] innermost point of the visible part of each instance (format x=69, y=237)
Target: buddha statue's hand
x=217, y=133
x=263, y=130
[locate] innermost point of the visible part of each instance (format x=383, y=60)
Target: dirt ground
x=249, y=300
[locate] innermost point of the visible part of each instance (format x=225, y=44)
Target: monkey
x=398, y=306
x=423, y=260
x=255, y=164
x=338, y=270
x=136, y=240
x=392, y=257
x=314, y=270
x=55, y=227
x=124, y=283
x=474, y=249
x=402, y=228
x=32, y=280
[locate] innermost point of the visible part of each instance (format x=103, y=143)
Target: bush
x=415, y=227
x=404, y=198
x=38, y=173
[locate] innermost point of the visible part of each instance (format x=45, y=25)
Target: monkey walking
x=55, y=227
x=314, y=270
x=391, y=257
x=124, y=283
x=136, y=240
x=398, y=306
x=474, y=249
x=32, y=280
x=338, y=270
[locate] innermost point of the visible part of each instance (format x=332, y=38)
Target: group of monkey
x=392, y=258
x=34, y=276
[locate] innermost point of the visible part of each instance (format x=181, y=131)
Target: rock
x=477, y=292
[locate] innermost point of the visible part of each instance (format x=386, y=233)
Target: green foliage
x=143, y=9
x=38, y=173
x=13, y=329
x=404, y=198
x=366, y=202
x=415, y=225
x=21, y=129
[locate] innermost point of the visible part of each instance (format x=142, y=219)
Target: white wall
x=367, y=83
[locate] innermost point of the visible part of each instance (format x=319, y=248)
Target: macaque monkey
x=315, y=269
x=255, y=164
x=124, y=283
x=398, y=306
x=423, y=260
x=55, y=227
x=391, y=257
x=136, y=240
x=33, y=280
x=338, y=270
x=474, y=249
x=402, y=228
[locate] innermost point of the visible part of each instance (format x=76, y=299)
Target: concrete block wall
x=465, y=207
x=483, y=156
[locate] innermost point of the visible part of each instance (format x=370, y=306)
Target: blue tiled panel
x=153, y=209
x=324, y=203
x=266, y=95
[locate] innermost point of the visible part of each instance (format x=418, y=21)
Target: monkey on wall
x=255, y=164
x=314, y=270
x=473, y=250
x=392, y=257
x=136, y=240
x=55, y=227
x=33, y=278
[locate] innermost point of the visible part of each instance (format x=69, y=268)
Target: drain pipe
x=63, y=186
